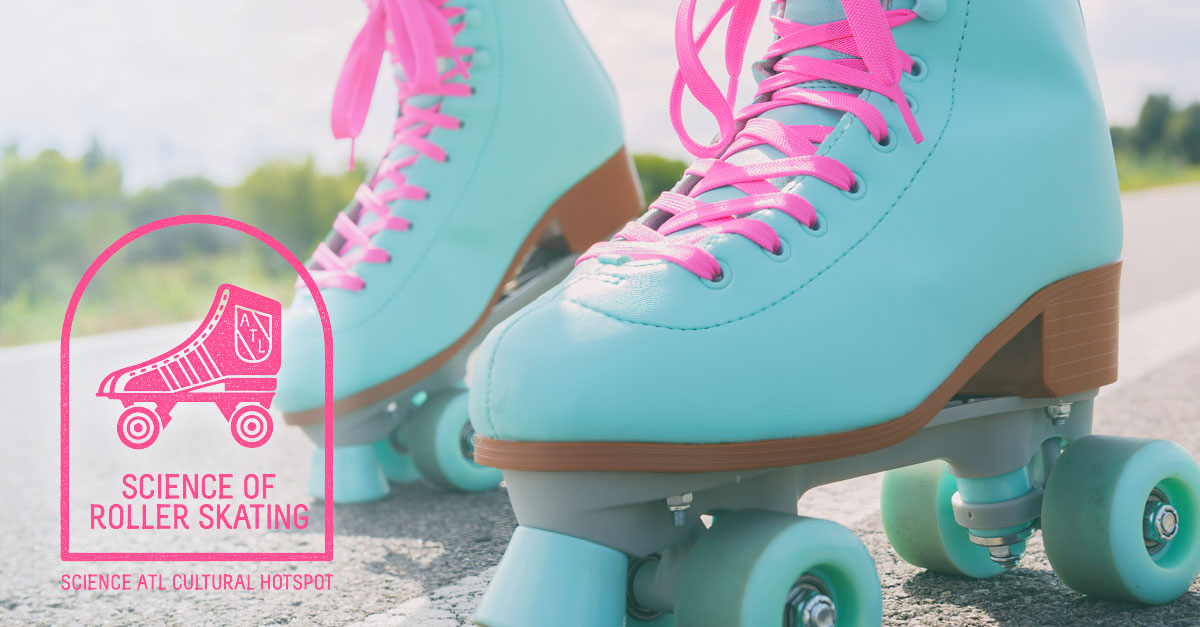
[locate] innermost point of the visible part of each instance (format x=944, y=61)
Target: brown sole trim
x=594, y=208
x=1065, y=342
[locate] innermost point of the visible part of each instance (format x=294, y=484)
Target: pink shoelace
x=874, y=64
x=422, y=32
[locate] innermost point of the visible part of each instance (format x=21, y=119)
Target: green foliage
x=1152, y=123
x=50, y=206
x=292, y=202
x=1162, y=132
x=1163, y=147
x=1135, y=172
x=57, y=214
x=657, y=174
x=1183, y=133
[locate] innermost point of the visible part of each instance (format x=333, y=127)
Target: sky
x=214, y=88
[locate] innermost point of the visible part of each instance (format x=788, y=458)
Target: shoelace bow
x=422, y=32
x=874, y=64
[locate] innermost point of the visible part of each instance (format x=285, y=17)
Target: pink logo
x=231, y=360
x=248, y=371
x=255, y=334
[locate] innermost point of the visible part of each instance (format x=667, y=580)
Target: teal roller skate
x=489, y=189
x=902, y=256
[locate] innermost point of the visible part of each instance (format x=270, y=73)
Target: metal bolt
x=809, y=605
x=1059, y=413
x=1004, y=556
x=1002, y=549
x=679, y=505
x=1160, y=521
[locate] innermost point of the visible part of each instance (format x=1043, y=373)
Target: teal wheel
x=442, y=444
x=635, y=615
x=1121, y=519
x=357, y=475
x=394, y=459
x=756, y=568
x=919, y=521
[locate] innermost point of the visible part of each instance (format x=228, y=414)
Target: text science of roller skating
x=157, y=501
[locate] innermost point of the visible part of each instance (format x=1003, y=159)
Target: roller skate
x=231, y=361
x=506, y=163
x=902, y=256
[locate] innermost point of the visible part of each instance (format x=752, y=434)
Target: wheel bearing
x=1160, y=521
x=809, y=604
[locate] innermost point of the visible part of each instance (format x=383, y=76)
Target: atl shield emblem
x=253, y=340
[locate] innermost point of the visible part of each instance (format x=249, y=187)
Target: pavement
x=424, y=556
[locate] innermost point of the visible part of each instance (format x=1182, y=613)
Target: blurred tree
x=1122, y=138
x=292, y=201
x=1152, y=123
x=1182, y=135
x=50, y=207
x=194, y=195
x=657, y=174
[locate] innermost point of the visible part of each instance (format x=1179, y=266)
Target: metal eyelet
x=782, y=254
x=887, y=144
x=913, y=105
x=857, y=190
x=919, y=70
x=723, y=278
x=819, y=229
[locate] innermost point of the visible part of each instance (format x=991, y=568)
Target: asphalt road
x=423, y=557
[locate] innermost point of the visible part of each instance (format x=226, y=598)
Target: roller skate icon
x=231, y=360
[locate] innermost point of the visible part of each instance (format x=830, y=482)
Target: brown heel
x=1070, y=347
x=599, y=204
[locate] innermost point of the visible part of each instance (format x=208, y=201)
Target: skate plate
x=717, y=548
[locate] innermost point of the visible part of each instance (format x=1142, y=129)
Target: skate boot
x=507, y=161
x=230, y=360
x=905, y=249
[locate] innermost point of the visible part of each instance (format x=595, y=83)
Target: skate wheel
x=442, y=444
x=251, y=426
x=757, y=567
x=357, y=474
x=138, y=427
x=919, y=521
x=397, y=464
x=1121, y=519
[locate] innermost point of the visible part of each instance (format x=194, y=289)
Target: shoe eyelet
x=473, y=90
x=919, y=70
x=782, y=254
x=887, y=144
x=913, y=105
x=473, y=17
x=821, y=228
x=857, y=190
x=721, y=280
